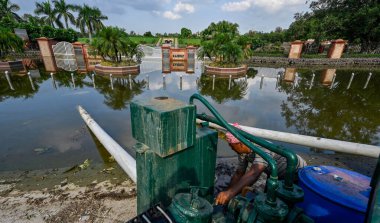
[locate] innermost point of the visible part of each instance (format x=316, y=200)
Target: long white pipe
x=126, y=161
x=310, y=141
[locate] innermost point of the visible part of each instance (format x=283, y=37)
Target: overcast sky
x=171, y=15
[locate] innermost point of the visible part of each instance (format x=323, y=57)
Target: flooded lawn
x=40, y=127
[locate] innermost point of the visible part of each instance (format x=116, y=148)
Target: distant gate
x=65, y=57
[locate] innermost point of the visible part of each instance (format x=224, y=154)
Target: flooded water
x=40, y=126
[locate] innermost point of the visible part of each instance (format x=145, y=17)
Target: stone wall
x=316, y=61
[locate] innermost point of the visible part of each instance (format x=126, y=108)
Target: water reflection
x=18, y=85
x=121, y=91
x=313, y=103
x=340, y=112
x=328, y=76
x=223, y=89
x=290, y=74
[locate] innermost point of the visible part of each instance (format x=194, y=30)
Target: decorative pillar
x=336, y=49
x=166, y=55
x=81, y=56
x=295, y=49
x=45, y=45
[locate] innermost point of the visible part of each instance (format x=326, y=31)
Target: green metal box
x=160, y=178
x=164, y=124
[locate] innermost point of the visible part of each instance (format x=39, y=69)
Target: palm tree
x=90, y=20
x=8, y=9
x=34, y=20
x=64, y=10
x=46, y=9
x=111, y=42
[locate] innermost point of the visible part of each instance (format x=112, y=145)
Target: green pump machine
x=176, y=169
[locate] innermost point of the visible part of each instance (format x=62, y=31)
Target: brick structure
x=336, y=49
x=45, y=45
x=295, y=49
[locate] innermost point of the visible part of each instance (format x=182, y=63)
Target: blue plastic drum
x=334, y=194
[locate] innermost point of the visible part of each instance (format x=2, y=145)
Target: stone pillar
x=166, y=55
x=47, y=54
x=191, y=54
x=327, y=76
x=81, y=56
x=290, y=74
x=295, y=49
x=336, y=49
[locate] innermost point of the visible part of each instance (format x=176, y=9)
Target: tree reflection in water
x=124, y=91
x=21, y=84
x=221, y=91
x=338, y=113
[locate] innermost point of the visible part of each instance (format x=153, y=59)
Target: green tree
x=222, y=92
x=148, y=34
x=8, y=9
x=9, y=42
x=220, y=43
x=90, y=20
x=33, y=20
x=337, y=113
x=48, y=12
x=185, y=32
x=64, y=11
x=113, y=42
x=355, y=21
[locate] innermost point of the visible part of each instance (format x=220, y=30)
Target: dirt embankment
x=97, y=202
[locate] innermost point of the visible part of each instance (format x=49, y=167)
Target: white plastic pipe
x=310, y=141
x=126, y=161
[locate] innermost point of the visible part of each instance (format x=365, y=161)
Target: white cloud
x=178, y=9
x=183, y=7
x=268, y=5
x=236, y=6
x=171, y=15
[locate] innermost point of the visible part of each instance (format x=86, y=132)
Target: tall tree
x=8, y=9
x=185, y=32
x=220, y=43
x=33, y=20
x=355, y=21
x=111, y=42
x=64, y=11
x=90, y=20
x=48, y=12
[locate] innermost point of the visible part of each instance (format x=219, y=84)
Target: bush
x=9, y=42
x=35, y=31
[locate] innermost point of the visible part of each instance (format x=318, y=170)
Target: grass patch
x=7, y=58
x=136, y=39
x=118, y=64
x=268, y=54
x=314, y=56
x=143, y=39
x=84, y=40
x=192, y=41
x=360, y=55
